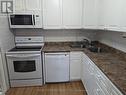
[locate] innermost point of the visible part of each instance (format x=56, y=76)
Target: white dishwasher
x=57, y=67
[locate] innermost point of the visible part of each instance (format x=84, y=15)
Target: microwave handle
x=33, y=19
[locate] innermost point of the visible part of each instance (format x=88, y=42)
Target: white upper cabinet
x=25, y=6
x=72, y=14
x=101, y=14
x=77, y=14
x=19, y=6
x=113, y=12
x=90, y=14
x=104, y=14
x=123, y=18
x=62, y=14
x=110, y=14
x=33, y=5
x=52, y=14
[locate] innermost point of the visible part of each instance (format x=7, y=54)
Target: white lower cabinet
x=94, y=80
x=75, y=65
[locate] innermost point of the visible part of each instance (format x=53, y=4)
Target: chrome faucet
x=86, y=42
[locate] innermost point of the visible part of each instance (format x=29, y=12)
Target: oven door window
x=24, y=66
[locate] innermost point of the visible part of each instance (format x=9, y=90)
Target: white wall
x=2, y=75
x=6, y=42
x=58, y=35
x=113, y=39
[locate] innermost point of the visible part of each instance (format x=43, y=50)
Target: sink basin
x=95, y=49
x=77, y=46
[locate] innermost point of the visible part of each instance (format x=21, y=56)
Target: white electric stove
x=25, y=62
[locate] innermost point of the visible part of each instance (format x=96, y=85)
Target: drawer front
x=104, y=86
x=99, y=91
x=115, y=91
x=102, y=79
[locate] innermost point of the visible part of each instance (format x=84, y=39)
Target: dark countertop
x=112, y=63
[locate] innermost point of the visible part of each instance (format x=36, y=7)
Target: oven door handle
x=23, y=56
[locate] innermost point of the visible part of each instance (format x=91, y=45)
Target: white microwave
x=25, y=21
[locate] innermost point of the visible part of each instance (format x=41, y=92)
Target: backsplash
x=113, y=39
x=57, y=35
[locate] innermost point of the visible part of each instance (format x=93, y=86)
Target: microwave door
x=21, y=20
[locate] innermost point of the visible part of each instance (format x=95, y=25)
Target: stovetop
x=16, y=49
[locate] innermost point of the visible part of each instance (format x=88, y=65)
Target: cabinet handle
x=99, y=77
x=105, y=28
x=97, y=91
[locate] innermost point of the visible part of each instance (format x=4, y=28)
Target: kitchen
x=63, y=47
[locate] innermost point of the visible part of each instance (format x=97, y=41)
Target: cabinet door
x=75, y=65
x=32, y=5
x=19, y=6
x=123, y=18
x=72, y=14
x=52, y=16
x=113, y=14
x=83, y=69
x=101, y=14
x=75, y=69
x=90, y=14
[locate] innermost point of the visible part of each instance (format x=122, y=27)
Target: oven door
x=28, y=66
